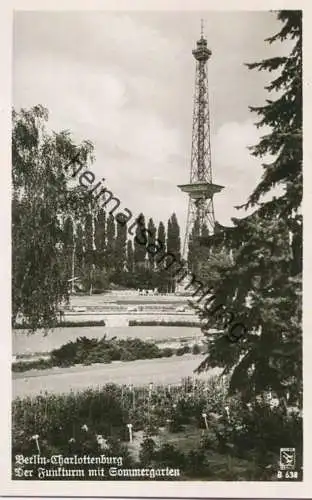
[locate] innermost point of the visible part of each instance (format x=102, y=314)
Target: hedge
x=137, y=322
x=64, y=324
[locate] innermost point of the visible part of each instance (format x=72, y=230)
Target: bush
x=197, y=465
x=170, y=456
x=72, y=324
x=167, y=352
x=185, y=349
x=58, y=419
x=87, y=351
x=147, y=451
x=196, y=349
x=209, y=440
x=127, y=355
x=40, y=364
x=263, y=430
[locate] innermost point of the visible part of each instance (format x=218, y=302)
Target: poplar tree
x=121, y=248
x=173, y=244
x=161, y=274
x=173, y=237
x=110, y=260
x=130, y=257
x=161, y=237
x=100, y=239
x=140, y=243
x=194, y=248
x=150, y=242
x=89, y=251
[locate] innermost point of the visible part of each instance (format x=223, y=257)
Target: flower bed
x=193, y=426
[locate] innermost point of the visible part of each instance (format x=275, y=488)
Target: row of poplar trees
x=60, y=233
x=99, y=251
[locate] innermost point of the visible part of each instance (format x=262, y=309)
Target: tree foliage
x=161, y=236
x=41, y=199
x=193, y=255
x=68, y=245
x=60, y=232
x=139, y=243
x=130, y=257
x=100, y=239
x=110, y=243
x=150, y=242
x=173, y=244
x=121, y=247
x=173, y=237
x=257, y=283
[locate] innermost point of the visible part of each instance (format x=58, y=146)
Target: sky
x=125, y=81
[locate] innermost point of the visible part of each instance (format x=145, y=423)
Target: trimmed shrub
x=64, y=324
x=87, y=351
x=136, y=322
x=167, y=352
x=196, y=349
x=185, y=349
x=39, y=364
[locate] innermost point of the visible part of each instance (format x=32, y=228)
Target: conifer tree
x=173, y=237
x=140, y=243
x=161, y=236
x=173, y=244
x=194, y=248
x=161, y=274
x=100, y=239
x=89, y=251
x=130, y=257
x=258, y=286
x=150, y=242
x=110, y=260
x=121, y=248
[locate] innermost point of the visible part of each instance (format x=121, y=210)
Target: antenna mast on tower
x=200, y=188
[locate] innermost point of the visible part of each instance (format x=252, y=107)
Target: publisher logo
x=287, y=458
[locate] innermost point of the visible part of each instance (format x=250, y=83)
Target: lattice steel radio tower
x=200, y=189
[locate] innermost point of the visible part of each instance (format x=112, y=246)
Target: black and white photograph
x=156, y=247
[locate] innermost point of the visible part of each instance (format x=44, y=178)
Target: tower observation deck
x=200, y=188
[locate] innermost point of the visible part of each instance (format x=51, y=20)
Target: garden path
x=140, y=372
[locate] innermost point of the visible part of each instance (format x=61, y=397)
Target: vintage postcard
x=154, y=342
